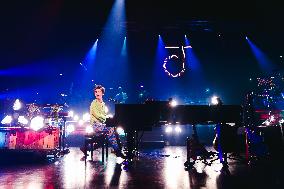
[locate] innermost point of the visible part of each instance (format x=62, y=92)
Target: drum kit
x=52, y=114
x=263, y=117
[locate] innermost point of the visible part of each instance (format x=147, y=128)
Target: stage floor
x=156, y=168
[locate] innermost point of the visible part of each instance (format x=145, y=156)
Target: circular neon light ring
x=168, y=72
x=173, y=56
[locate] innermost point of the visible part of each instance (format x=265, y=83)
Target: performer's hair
x=100, y=87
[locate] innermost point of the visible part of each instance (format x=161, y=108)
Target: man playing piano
x=98, y=118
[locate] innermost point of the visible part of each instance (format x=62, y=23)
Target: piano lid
x=150, y=114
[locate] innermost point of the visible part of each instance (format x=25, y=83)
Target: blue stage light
x=263, y=60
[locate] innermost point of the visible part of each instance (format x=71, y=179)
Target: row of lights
x=215, y=100
x=170, y=129
x=35, y=123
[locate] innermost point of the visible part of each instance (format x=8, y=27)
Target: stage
x=164, y=74
x=155, y=168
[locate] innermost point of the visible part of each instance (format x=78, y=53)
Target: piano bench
x=95, y=141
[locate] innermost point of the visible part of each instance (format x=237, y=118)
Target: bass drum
x=265, y=141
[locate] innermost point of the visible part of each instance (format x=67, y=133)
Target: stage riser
x=29, y=139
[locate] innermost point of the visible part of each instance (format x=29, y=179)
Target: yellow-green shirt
x=97, y=112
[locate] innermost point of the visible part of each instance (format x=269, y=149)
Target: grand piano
x=142, y=117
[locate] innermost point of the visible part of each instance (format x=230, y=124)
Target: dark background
x=41, y=39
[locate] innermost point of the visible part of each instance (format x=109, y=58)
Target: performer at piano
x=98, y=118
